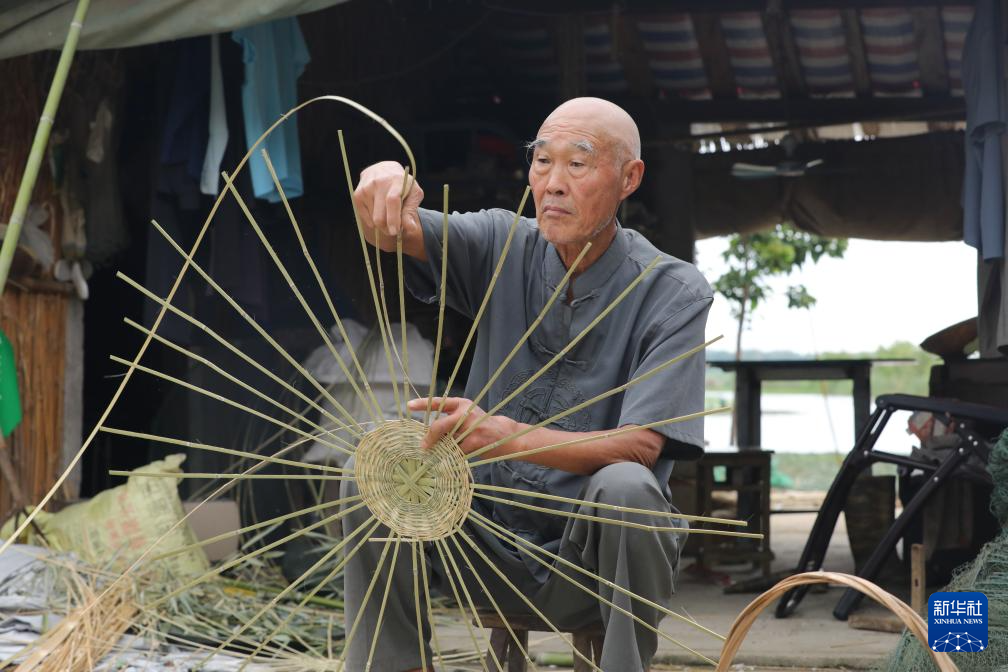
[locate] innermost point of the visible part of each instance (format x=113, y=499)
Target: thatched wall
x=32, y=309
x=35, y=323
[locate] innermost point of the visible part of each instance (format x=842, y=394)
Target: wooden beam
x=676, y=6
x=628, y=49
x=856, y=53
x=815, y=111
x=784, y=54
x=930, y=40
x=714, y=52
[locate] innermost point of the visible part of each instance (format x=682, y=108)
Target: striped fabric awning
x=674, y=55
x=676, y=66
x=749, y=54
x=822, y=51
x=890, y=51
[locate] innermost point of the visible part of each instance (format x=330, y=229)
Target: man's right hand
x=384, y=213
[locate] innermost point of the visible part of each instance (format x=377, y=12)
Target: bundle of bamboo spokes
x=910, y=618
x=97, y=617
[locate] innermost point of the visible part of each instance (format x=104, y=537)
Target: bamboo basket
x=910, y=618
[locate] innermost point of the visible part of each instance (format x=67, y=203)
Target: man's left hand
x=492, y=428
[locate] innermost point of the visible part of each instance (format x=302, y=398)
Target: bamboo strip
x=416, y=606
x=227, y=376
x=609, y=507
x=292, y=585
x=244, y=645
x=75, y=460
x=237, y=477
x=367, y=596
x=597, y=437
x=262, y=446
x=505, y=533
x=596, y=595
x=322, y=287
x=383, y=318
x=461, y=579
x=255, y=325
x=255, y=526
x=489, y=291
x=402, y=292
x=561, y=286
x=563, y=351
x=231, y=347
x=441, y=304
x=224, y=451
x=521, y=595
x=621, y=523
x=349, y=450
x=438, y=656
x=461, y=605
x=599, y=397
x=220, y=569
x=381, y=609
x=328, y=577
x=500, y=614
x=379, y=313
x=300, y=297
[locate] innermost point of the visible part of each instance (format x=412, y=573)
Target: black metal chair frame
x=863, y=456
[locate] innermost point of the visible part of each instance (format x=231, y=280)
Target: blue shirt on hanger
x=275, y=55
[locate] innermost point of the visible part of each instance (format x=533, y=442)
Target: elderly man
x=585, y=162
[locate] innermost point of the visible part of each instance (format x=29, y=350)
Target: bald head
x=599, y=118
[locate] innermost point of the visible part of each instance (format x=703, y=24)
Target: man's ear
x=633, y=173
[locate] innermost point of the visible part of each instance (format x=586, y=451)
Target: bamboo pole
x=37, y=153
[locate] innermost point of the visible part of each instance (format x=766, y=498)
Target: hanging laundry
x=983, y=186
x=184, y=134
x=218, y=128
x=275, y=55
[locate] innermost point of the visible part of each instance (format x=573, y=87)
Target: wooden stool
x=587, y=640
x=748, y=474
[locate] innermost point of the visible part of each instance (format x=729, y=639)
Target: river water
x=805, y=423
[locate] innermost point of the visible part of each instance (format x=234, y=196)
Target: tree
x=754, y=258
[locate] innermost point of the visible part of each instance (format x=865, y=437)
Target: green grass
x=906, y=377
x=814, y=471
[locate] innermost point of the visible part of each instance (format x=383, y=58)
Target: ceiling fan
x=788, y=167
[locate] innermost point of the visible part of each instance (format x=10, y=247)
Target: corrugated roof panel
x=749, y=55
x=890, y=51
x=822, y=51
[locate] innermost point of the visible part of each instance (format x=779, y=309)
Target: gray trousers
x=603, y=549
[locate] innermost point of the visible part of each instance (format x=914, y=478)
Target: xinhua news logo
x=957, y=622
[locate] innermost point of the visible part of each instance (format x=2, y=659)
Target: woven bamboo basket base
x=419, y=494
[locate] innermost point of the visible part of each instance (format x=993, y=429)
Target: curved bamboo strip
x=745, y=619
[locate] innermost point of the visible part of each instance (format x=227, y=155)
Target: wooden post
x=918, y=579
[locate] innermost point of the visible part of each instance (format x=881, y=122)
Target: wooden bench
x=587, y=640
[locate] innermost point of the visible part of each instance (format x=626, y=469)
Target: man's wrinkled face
x=575, y=180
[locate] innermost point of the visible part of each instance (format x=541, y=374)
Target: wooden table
x=750, y=374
